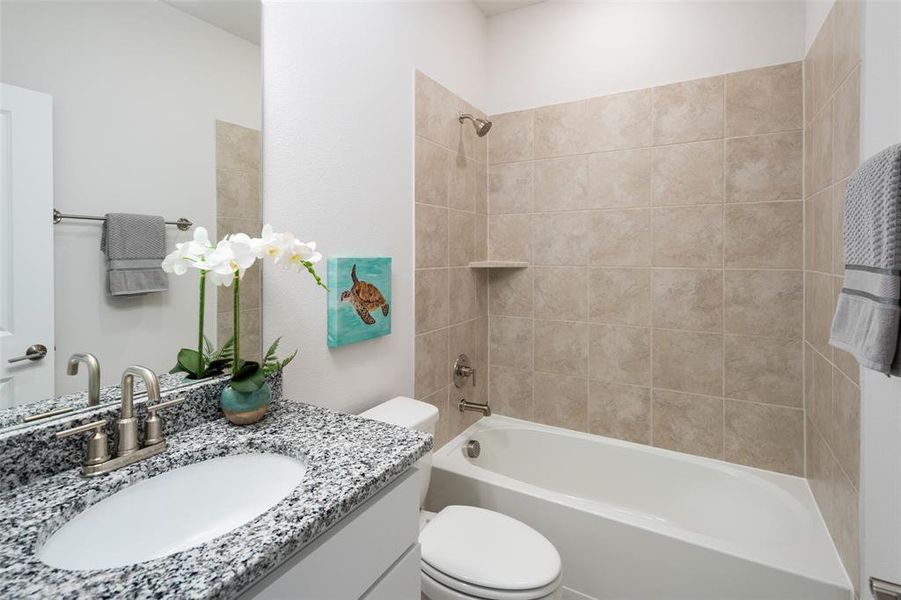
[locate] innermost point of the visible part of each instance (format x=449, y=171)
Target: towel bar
x=183, y=224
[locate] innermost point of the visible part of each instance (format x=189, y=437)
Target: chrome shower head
x=482, y=126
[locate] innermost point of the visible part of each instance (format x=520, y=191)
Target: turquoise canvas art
x=359, y=303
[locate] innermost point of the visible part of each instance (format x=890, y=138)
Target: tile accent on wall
x=452, y=231
x=238, y=209
x=831, y=387
x=664, y=229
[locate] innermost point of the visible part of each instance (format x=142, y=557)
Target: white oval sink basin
x=174, y=511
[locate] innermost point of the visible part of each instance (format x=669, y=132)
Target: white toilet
x=470, y=553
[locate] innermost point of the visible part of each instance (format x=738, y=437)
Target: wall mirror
x=142, y=107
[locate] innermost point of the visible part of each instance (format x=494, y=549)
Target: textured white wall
x=338, y=119
x=137, y=87
x=561, y=51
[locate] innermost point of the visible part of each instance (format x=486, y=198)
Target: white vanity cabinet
x=371, y=553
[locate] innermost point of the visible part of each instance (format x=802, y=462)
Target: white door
x=26, y=245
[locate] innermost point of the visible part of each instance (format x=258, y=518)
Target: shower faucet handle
x=462, y=370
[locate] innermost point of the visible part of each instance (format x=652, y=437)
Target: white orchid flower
x=242, y=256
x=300, y=253
x=231, y=255
x=272, y=245
x=175, y=263
x=217, y=278
x=200, y=245
x=188, y=254
x=261, y=245
x=241, y=238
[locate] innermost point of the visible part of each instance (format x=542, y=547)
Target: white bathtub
x=634, y=522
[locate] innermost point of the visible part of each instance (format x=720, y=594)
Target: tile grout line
x=650, y=147
x=833, y=456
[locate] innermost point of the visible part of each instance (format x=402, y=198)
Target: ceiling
x=496, y=7
x=242, y=17
x=239, y=17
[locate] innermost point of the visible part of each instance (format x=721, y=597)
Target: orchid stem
x=237, y=323
x=200, y=327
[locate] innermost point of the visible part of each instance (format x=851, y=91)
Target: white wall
x=137, y=87
x=338, y=168
x=815, y=13
x=559, y=51
x=880, y=402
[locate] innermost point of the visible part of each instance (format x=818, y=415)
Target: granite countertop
x=12, y=417
x=348, y=460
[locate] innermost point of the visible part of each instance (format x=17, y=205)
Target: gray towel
x=135, y=246
x=866, y=321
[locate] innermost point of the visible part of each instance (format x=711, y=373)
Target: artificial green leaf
x=219, y=363
x=228, y=349
x=247, y=369
x=287, y=361
x=250, y=383
x=270, y=353
x=216, y=367
x=189, y=360
x=177, y=369
x=207, y=347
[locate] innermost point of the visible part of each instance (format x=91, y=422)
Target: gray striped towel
x=868, y=314
x=135, y=246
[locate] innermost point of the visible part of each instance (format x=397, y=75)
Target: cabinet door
x=401, y=582
x=348, y=559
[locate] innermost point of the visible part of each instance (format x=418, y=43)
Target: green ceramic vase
x=244, y=408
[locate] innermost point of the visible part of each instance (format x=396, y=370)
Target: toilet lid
x=488, y=549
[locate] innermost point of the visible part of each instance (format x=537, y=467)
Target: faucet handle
x=98, y=450
x=153, y=425
x=462, y=370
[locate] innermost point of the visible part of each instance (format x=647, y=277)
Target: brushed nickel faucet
x=128, y=423
x=463, y=369
x=98, y=460
x=93, y=374
x=483, y=408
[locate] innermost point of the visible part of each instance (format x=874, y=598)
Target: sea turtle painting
x=359, y=299
x=365, y=298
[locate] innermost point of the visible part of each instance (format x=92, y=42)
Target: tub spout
x=465, y=405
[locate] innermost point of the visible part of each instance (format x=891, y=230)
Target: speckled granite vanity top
x=348, y=459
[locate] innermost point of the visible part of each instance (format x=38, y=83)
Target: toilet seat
x=462, y=590
x=485, y=554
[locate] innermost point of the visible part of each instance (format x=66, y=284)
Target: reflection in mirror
x=146, y=108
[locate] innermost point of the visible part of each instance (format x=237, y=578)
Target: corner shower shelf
x=498, y=264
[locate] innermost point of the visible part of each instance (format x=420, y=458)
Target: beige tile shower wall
x=832, y=131
x=238, y=209
x=451, y=231
x=664, y=232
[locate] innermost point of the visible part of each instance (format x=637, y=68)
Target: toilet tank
x=407, y=412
